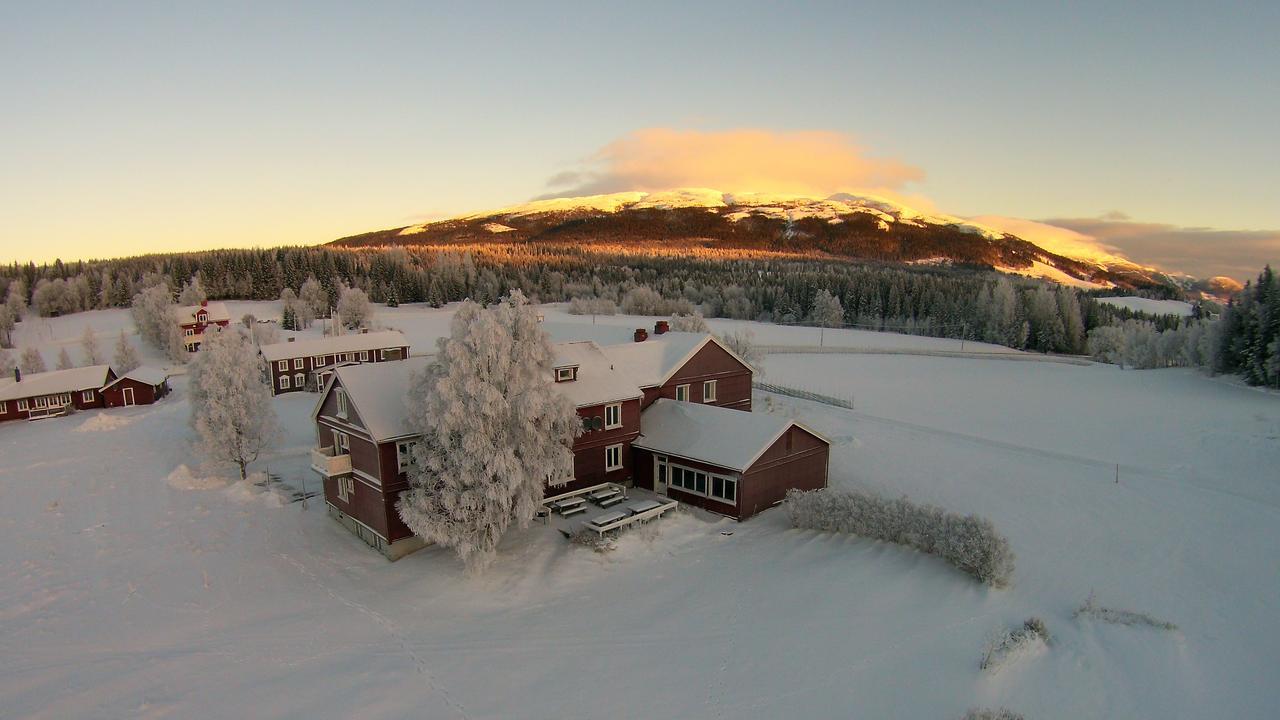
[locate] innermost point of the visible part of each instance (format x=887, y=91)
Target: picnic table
x=603, y=494
x=570, y=506
x=643, y=506
x=607, y=518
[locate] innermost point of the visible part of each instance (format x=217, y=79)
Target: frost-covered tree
x=315, y=301
x=153, y=314
x=89, y=347
x=495, y=431
x=7, y=324
x=126, y=357
x=354, y=307
x=827, y=310
x=643, y=300
x=693, y=322
x=289, y=310
x=192, y=292
x=743, y=342
x=7, y=364
x=1107, y=344
x=16, y=299
x=64, y=359
x=231, y=409
x=55, y=297
x=31, y=361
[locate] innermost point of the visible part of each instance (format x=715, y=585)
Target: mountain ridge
x=843, y=225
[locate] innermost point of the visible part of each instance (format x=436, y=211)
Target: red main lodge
x=671, y=414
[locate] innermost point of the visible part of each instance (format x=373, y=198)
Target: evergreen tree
x=495, y=431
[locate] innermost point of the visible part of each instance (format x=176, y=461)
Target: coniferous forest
x=974, y=303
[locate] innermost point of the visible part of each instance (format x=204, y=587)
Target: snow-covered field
x=1149, y=306
x=134, y=583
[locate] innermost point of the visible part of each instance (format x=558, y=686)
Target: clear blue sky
x=132, y=127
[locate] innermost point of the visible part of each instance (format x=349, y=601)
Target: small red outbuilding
x=140, y=386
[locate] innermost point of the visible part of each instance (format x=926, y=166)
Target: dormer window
x=567, y=374
x=202, y=316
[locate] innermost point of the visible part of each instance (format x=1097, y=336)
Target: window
x=364, y=356
x=317, y=361
x=282, y=365
x=564, y=374
x=613, y=416
x=297, y=363
x=299, y=380
x=709, y=391
x=22, y=404
x=346, y=488
x=42, y=402
x=189, y=332
x=340, y=397
x=682, y=393
x=86, y=396
x=404, y=454
x=4, y=407
x=613, y=458
x=341, y=443
x=724, y=488
x=284, y=382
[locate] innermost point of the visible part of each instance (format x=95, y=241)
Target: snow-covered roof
x=147, y=374
x=726, y=438
x=378, y=391
x=335, y=344
x=653, y=361
x=56, y=381
x=597, y=381
x=217, y=312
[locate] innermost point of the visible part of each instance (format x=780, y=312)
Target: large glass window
x=613, y=416
x=613, y=458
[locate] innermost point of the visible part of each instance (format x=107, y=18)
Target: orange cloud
x=815, y=163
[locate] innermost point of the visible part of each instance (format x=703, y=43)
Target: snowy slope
x=126, y=590
x=1149, y=306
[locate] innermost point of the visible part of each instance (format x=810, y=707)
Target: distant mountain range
x=841, y=226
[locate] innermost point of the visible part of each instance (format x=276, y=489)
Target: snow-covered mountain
x=863, y=227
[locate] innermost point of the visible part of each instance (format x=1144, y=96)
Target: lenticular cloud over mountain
x=816, y=163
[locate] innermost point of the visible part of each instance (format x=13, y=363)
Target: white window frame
x=23, y=405
x=284, y=382
x=189, y=332
x=297, y=363
x=282, y=366
x=364, y=356
x=346, y=488
x=404, y=454
x=86, y=396
x=341, y=443
x=615, y=450
x=725, y=481
x=564, y=374
x=616, y=410
x=42, y=402
x=317, y=361
x=709, y=397
x=682, y=393
x=676, y=479
x=382, y=354
x=340, y=397
x=4, y=407
x=299, y=380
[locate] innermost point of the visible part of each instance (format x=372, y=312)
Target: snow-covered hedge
x=990, y=714
x=968, y=542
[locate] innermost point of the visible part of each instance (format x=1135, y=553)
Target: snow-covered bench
x=570, y=506
x=600, y=496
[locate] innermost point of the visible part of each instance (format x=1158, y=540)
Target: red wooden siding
x=712, y=362
x=309, y=366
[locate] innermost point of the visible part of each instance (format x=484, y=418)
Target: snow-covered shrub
x=743, y=342
x=89, y=347
x=126, y=358
x=968, y=542
x=592, y=306
x=31, y=361
x=692, y=322
x=992, y=714
x=354, y=307
x=7, y=364
x=1091, y=609
x=591, y=539
x=1007, y=643
x=643, y=301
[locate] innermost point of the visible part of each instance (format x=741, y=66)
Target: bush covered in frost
x=1008, y=642
x=1091, y=609
x=989, y=714
x=592, y=306
x=968, y=542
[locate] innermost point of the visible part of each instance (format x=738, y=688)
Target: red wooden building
x=54, y=393
x=307, y=364
x=196, y=319
x=140, y=386
x=656, y=413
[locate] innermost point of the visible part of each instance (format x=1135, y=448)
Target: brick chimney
x=292, y=339
x=204, y=303
x=641, y=334
x=661, y=327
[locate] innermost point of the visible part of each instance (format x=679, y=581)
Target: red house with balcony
x=196, y=319
x=671, y=414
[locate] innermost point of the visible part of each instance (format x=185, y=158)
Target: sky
x=1149, y=128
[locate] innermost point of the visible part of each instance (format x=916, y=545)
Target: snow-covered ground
x=1149, y=306
x=134, y=583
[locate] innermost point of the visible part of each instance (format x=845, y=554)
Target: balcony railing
x=325, y=462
